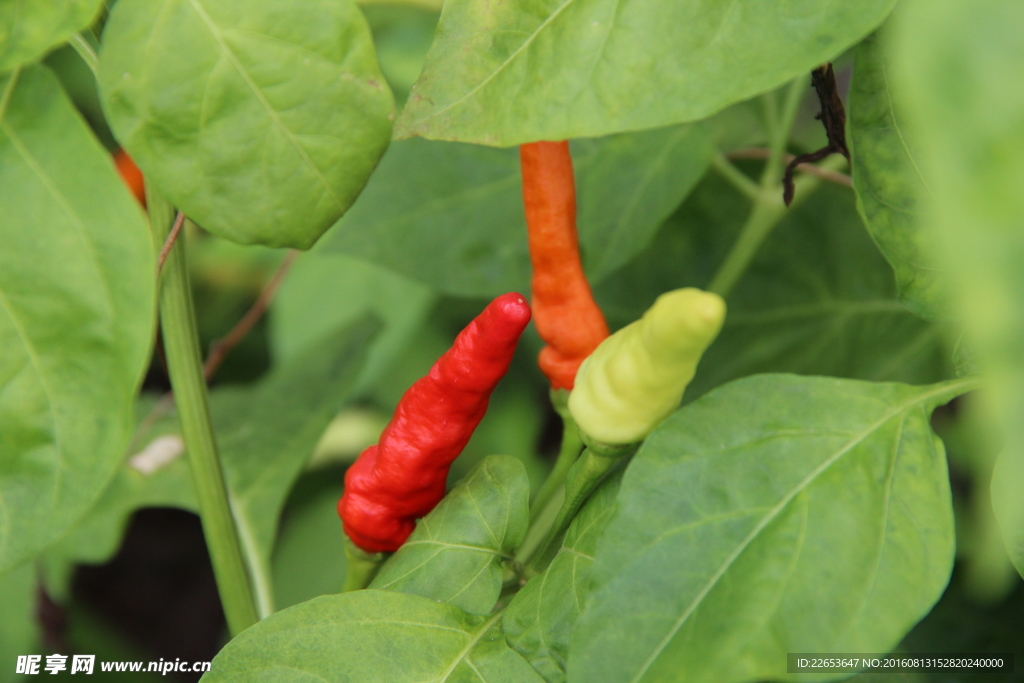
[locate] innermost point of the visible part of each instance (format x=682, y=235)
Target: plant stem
x=181, y=345
x=767, y=208
x=775, y=167
x=765, y=214
x=572, y=444
x=584, y=477
x=538, y=528
x=85, y=50
x=361, y=567
x=738, y=178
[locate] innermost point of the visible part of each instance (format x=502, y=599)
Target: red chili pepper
x=567, y=317
x=131, y=175
x=403, y=477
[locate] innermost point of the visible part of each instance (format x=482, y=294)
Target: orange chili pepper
x=567, y=317
x=131, y=175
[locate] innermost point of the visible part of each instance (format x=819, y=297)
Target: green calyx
x=637, y=376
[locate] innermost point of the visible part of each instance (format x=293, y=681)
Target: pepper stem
x=181, y=345
x=362, y=566
x=582, y=480
x=572, y=444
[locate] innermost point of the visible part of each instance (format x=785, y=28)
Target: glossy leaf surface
x=507, y=73
x=261, y=121
x=77, y=299
x=372, y=635
x=455, y=554
x=751, y=506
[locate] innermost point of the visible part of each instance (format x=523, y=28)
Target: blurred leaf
x=452, y=216
x=79, y=83
x=957, y=624
x=276, y=117
x=507, y=73
x=538, y=621
x=327, y=291
x=985, y=568
x=954, y=72
x=818, y=299
x=97, y=537
x=371, y=635
x=1007, y=477
x=76, y=314
x=777, y=493
x=265, y=433
x=18, y=630
x=89, y=633
x=455, y=555
x=30, y=28
x=309, y=557
x=888, y=183
x=402, y=35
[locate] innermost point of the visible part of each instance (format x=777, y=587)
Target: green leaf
x=888, y=182
x=955, y=76
x=818, y=299
x=507, y=73
x=309, y=556
x=372, y=635
x=1007, y=480
x=97, y=537
x=31, y=28
x=18, y=630
x=455, y=554
x=452, y=216
x=402, y=34
x=265, y=436
x=261, y=121
x=77, y=299
x=325, y=291
x=746, y=511
x=265, y=432
x=538, y=621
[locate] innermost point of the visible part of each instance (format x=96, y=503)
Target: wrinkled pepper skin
x=637, y=376
x=566, y=316
x=403, y=476
x=131, y=175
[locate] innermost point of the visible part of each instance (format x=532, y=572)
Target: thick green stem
x=538, y=529
x=362, y=567
x=181, y=346
x=572, y=444
x=583, y=479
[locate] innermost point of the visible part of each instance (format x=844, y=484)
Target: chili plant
x=315, y=196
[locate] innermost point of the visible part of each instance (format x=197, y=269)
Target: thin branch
x=740, y=180
x=811, y=169
x=220, y=348
x=179, y=221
